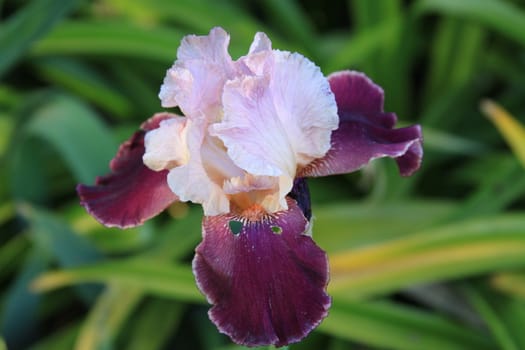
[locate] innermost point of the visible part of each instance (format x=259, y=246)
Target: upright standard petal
x=195, y=81
x=131, y=193
x=278, y=121
x=263, y=274
x=365, y=131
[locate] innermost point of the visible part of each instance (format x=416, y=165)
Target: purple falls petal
x=365, y=131
x=265, y=276
x=131, y=193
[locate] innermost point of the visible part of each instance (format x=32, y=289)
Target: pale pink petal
x=261, y=42
x=195, y=81
x=191, y=182
x=305, y=103
x=212, y=47
x=274, y=123
x=166, y=146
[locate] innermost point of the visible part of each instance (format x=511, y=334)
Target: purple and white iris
x=252, y=130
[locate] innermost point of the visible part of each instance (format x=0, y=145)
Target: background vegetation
x=435, y=261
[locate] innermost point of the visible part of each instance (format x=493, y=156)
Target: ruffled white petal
x=195, y=81
x=191, y=182
x=280, y=121
x=261, y=42
x=305, y=105
x=251, y=124
x=166, y=146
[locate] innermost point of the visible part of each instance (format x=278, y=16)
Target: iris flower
x=253, y=129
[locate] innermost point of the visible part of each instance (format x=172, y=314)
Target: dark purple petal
x=265, y=277
x=301, y=194
x=365, y=132
x=131, y=193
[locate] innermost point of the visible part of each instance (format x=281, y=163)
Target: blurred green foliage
x=435, y=261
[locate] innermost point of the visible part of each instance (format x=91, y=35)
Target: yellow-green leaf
x=509, y=127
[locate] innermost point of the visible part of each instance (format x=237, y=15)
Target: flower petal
x=131, y=193
x=192, y=181
x=301, y=194
x=266, y=280
x=195, y=81
x=365, y=131
x=278, y=121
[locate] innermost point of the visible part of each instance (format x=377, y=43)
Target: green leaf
x=19, y=318
x=84, y=81
x=175, y=281
x=481, y=303
x=499, y=187
x=120, y=300
x=501, y=16
x=512, y=283
x=388, y=325
x=54, y=236
x=62, y=339
x=361, y=46
x=511, y=312
x=455, y=57
x=350, y=225
x=467, y=248
x=442, y=141
x=108, y=314
x=28, y=25
x=509, y=127
x=292, y=22
x=198, y=17
x=155, y=324
x=69, y=126
x=6, y=128
x=12, y=253
x=110, y=38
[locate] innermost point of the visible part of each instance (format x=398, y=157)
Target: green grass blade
x=28, y=25
x=509, y=127
x=350, y=225
x=85, y=82
x=120, y=301
x=175, y=281
x=501, y=16
x=455, y=57
x=359, y=47
x=110, y=311
x=69, y=125
x=20, y=311
x=482, y=304
x=110, y=38
x=293, y=23
x=512, y=283
x=387, y=325
x=444, y=142
x=63, y=339
x=510, y=308
x=157, y=321
x=12, y=253
x=198, y=17
x=498, y=188
x=467, y=248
